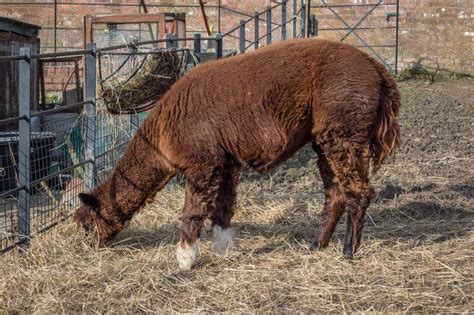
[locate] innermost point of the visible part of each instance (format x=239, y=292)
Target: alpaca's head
x=91, y=215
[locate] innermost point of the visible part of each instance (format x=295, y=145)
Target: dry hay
x=129, y=91
x=417, y=254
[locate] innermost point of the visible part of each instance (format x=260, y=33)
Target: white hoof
x=222, y=240
x=187, y=254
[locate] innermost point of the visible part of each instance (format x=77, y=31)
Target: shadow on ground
x=417, y=222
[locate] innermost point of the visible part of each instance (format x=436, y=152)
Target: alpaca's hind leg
x=350, y=162
x=334, y=201
x=222, y=234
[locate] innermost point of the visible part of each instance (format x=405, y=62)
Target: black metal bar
x=293, y=13
x=197, y=46
x=218, y=16
x=396, y=37
x=283, y=19
x=219, y=46
x=269, y=26
x=90, y=97
x=303, y=18
x=11, y=120
x=307, y=18
x=59, y=109
x=12, y=58
x=169, y=41
x=242, y=36
x=24, y=163
x=256, y=31
x=55, y=31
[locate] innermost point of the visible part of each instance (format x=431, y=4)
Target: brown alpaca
x=254, y=111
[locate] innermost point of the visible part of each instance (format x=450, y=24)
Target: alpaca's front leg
x=204, y=186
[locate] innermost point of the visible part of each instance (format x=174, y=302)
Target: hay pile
x=417, y=254
x=140, y=86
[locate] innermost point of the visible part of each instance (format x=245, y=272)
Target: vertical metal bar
x=89, y=96
x=293, y=13
x=257, y=30
x=283, y=19
x=55, y=24
x=169, y=41
x=307, y=18
x=396, y=37
x=315, y=25
x=24, y=163
x=219, y=16
x=269, y=25
x=303, y=19
x=197, y=46
x=242, y=36
x=219, y=48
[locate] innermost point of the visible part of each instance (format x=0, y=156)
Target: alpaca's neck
x=140, y=172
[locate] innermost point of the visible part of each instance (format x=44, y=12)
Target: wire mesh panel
x=59, y=162
x=8, y=190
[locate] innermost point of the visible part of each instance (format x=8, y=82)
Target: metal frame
x=354, y=28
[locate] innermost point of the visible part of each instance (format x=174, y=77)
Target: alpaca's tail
x=385, y=136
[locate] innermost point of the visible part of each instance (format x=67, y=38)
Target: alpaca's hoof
x=187, y=254
x=317, y=246
x=222, y=240
x=348, y=256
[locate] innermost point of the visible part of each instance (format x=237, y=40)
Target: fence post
x=91, y=112
x=197, y=46
x=293, y=13
x=303, y=19
x=269, y=25
x=283, y=19
x=24, y=164
x=219, y=48
x=257, y=30
x=242, y=36
x=307, y=19
x=169, y=41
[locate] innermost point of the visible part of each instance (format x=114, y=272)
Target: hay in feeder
x=140, y=89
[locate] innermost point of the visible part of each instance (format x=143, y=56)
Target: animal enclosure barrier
x=371, y=25
x=56, y=153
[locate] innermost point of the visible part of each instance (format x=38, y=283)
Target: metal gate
x=371, y=25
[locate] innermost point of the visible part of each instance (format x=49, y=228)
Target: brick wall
x=436, y=32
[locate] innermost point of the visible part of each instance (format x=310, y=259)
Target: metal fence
x=48, y=157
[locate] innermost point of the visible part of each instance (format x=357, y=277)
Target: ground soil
x=417, y=253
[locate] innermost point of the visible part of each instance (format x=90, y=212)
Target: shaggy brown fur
x=255, y=111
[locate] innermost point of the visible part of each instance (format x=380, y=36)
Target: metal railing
x=47, y=157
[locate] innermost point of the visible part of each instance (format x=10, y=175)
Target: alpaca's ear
x=89, y=200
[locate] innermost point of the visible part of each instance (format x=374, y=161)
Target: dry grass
x=417, y=254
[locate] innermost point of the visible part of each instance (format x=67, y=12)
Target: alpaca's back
x=257, y=107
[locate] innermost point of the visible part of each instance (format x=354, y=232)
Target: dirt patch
x=417, y=254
